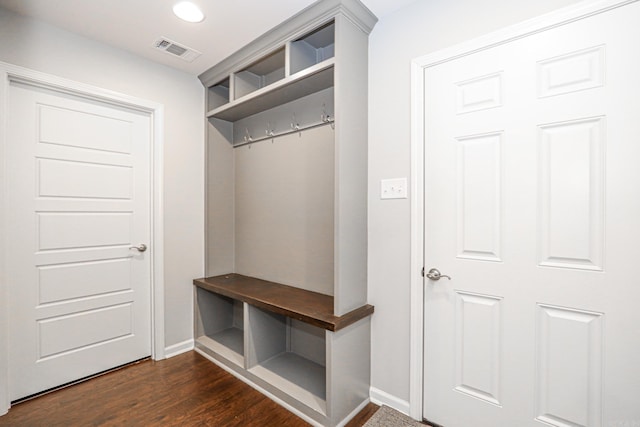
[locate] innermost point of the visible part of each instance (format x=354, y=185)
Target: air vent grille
x=176, y=49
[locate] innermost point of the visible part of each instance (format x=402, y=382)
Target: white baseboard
x=176, y=349
x=380, y=397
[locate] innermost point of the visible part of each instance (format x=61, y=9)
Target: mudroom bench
x=286, y=341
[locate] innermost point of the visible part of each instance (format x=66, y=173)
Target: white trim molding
x=419, y=152
x=4, y=316
x=179, y=348
x=11, y=73
x=416, y=345
x=380, y=398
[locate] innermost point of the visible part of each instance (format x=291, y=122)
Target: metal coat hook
x=295, y=126
x=269, y=131
x=326, y=118
x=247, y=137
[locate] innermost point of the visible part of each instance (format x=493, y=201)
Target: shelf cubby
x=220, y=325
x=219, y=94
x=290, y=355
x=262, y=73
x=312, y=48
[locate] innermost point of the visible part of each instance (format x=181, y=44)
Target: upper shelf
x=306, y=306
x=303, y=83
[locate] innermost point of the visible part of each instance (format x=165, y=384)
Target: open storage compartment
x=289, y=354
x=219, y=94
x=220, y=325
x=267, y=70
x=312, y=48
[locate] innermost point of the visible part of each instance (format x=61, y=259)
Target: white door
x=532, y=206
x=78, y=198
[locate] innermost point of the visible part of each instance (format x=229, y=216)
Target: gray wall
x=415, y=30
x=270, y=204
x=45, y=48
x=284, y=210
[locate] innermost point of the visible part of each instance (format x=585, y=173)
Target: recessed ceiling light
x=188, y=11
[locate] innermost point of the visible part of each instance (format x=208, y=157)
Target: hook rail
x=326, y=120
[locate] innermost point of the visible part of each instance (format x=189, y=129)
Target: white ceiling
x=134, y=25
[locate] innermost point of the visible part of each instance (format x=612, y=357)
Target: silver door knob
x=140, y=248
x=434, y=274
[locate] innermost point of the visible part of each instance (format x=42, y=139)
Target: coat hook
x=326, y=118
x=247, y=135
x=269, y=131
x=295, y=126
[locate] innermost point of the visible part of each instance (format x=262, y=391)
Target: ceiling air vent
x=175, y=49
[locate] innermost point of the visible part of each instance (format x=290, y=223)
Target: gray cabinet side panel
x=351, y=167
x=220, y=213
x=348, y=369
x=267, y=336
x=308, y=341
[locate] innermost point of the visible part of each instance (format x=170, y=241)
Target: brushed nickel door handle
x=435, y=275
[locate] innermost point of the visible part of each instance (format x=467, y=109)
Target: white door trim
x=12, y=73
x=557, y=18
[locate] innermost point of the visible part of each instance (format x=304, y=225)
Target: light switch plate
x=395, y=188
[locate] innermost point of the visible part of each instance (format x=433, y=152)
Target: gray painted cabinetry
x=286, y=213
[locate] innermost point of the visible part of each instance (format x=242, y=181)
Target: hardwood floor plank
x=186, y=390
x=363, y=416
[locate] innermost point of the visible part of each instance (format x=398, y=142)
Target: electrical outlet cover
x=395, y=188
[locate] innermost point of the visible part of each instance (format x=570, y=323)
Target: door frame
x=10, y=73
x=419, y=149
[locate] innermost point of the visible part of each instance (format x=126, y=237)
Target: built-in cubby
x=312, y=48
x=284, y=300
x=218, y=94
x=220, y=325
x=265, y=71
x=290, y=354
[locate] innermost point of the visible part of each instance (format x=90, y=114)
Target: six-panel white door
x=532, y=206
x=78, y=197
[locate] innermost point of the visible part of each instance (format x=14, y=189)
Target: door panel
x=60, y=282
x=532, y=206
x=569, y=393
x=78, y=180
x=59, y=178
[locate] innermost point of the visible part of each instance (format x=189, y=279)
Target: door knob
x=140, y=248
x=434, y=274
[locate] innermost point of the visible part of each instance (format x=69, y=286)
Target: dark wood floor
x=186, y=390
